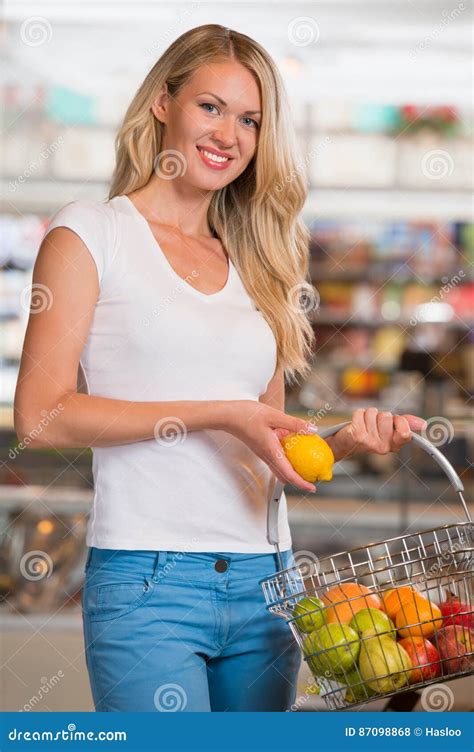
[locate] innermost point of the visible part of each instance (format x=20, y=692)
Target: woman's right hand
x=261, y=427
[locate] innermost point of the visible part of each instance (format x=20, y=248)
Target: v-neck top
x=156, y=338
x=167, y=264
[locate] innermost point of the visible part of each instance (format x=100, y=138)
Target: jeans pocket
x=112, y=600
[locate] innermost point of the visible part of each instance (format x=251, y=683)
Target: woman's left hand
x=371, y=431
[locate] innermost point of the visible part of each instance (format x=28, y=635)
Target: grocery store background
x=381, y=99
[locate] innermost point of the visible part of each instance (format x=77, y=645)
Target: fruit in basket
x=372, y=621
x=424, y=658
x=393, y=599
x=418, y=617
x=309, y=614
x=384, y=664
x=310, y=456
x=454, y=644
x=454, y=611
x=336, y=648
x=313, y=688
x=357, y=690
x=346, y=599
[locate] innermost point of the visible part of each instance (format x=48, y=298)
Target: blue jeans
x=167, y=631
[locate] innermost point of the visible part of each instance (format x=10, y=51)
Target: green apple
x=357, y=690
x=384, y=664
x=372, y=621
x=309, y=614
x=332, y=649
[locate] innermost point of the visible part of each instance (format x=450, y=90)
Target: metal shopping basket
x=386, y=618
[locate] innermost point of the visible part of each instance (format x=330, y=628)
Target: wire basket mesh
x=384, y=618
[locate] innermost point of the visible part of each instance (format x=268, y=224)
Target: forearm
x=82, y=420
x=338, y=451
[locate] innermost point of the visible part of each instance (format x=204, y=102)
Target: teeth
x=214, y=157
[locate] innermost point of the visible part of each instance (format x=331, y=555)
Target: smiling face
x=214, y=122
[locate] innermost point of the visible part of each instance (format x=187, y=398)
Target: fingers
x=402, y=433
x=379, y=429
x=358, y=431
x=372, y=424
x=385, y=430
x=292, y=424
x=373, y=430
x=415, y=423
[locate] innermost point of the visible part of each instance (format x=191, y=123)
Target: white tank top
x=153, y=337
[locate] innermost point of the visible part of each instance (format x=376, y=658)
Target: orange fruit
x=418, y=617
x=393, y=599
x=345, y=600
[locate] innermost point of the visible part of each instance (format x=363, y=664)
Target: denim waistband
x=190, y=566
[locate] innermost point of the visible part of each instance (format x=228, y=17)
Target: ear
x=159, y=105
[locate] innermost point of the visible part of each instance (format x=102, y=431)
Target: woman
x=173, y=321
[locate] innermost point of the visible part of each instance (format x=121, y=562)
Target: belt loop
x=88, y=559
x=160, y=562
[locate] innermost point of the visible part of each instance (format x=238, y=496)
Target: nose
x=225, y=134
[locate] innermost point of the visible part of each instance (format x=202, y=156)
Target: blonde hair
x=256, y=216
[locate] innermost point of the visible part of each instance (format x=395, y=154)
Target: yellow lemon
x=310, y=456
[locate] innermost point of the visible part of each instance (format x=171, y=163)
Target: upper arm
x=275, y=393
x=64, y=291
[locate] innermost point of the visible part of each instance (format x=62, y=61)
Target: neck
x=174, y=203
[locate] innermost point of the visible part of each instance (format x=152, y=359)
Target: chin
x=211, y=183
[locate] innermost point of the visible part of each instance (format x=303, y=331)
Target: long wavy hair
x=256, y=216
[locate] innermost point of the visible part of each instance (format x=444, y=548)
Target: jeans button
x=220, y=565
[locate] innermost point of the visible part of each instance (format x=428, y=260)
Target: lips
x=213, y=164
x=215, y=151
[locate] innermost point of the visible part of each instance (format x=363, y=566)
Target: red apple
x=456, y=612
x=424, y=658
x=454, y=644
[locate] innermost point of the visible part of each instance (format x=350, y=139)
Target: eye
x=208, y=104
x=256, y=125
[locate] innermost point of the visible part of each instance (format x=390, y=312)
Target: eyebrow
x=224, y=104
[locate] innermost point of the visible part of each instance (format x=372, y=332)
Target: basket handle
x=455, y=480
